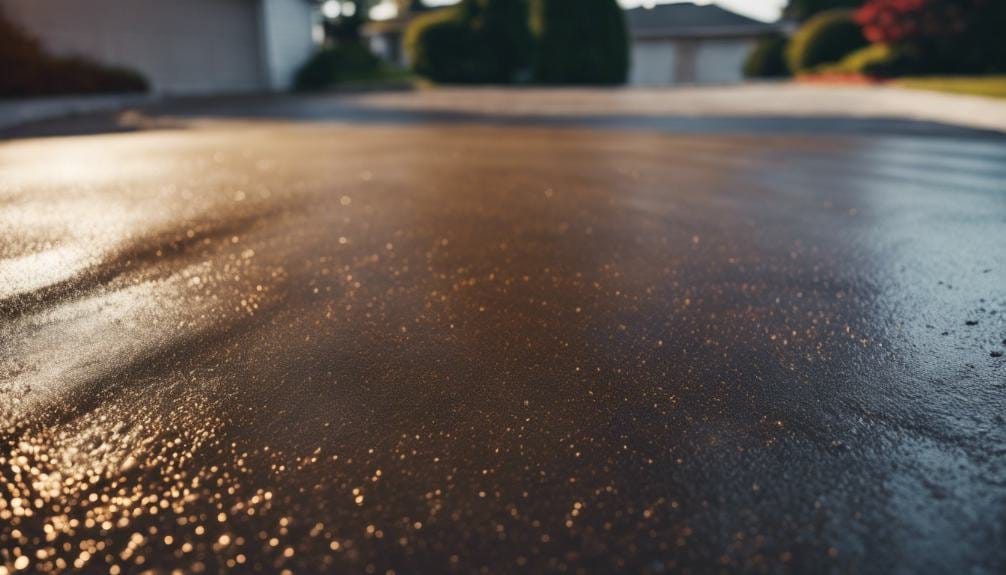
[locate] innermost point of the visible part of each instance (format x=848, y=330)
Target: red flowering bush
x=902, y=20
x=955, y=36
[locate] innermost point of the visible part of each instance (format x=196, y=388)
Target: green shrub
x=877, y=60
x=768, y=58
x=477, y=41
x=330, y=66
x=580, y=42
x=440, y=45
x=29, y=71
x=489, y=41
x=503, y=37
x=825, y=38
x=74, y=75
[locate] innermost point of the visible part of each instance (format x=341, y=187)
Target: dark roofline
x=691, y=20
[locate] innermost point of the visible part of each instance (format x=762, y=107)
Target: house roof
x=685, y=20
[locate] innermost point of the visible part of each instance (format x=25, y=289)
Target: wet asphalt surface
x=318, y=340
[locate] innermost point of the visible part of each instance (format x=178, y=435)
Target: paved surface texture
x=417, y=341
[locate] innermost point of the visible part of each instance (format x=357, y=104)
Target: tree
x=803, y=10
x=951, y=36
x=580, y=42
x=439, y=46
x=345, y=28
x=502, y=35
x=476, y=41
x=824, y=39
x=768, y=58
x=912, y=20
x=29, y=70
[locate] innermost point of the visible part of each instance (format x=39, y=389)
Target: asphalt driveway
x=325, y=335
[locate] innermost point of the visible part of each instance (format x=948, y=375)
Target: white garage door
x=181, y=46
x=652, y=63
x=721, y=61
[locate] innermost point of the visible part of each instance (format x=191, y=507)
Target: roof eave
x=706, y=32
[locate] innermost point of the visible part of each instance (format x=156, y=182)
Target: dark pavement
x=404, y=341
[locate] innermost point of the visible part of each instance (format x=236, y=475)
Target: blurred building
x=385, y=38
x=690, y=44
x=181, y=46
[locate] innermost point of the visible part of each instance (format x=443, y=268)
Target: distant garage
x=181, y=46
x=686, y=43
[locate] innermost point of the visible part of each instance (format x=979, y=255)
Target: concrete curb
x=755, y=100
x=766, y=100
x=22, y=111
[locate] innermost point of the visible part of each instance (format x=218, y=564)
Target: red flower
x=901, y=20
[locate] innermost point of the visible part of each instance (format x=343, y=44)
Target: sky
x=767, y=10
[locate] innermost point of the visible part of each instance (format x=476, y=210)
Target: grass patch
x=988, y=86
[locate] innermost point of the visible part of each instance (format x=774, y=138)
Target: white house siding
x=181, y=46
x=652, y=63
x=721, y=61
x=287, y=27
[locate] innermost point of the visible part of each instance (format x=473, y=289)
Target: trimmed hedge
x=580, y=42
x=768, y=58
x=503, y=37
x=878, y=60
x=28, y=71
x=492, y=41
x=477, y=41
x=331, y=66
x=824, y=39
x=439, y=45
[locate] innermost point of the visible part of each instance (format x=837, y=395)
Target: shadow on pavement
x=91, y=124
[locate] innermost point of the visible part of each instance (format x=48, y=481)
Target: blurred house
x=385, y=38
x=181, y=46
x=690, y=44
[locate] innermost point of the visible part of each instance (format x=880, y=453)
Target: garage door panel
x=652, y=64
x=182, y=46
x=722, y=61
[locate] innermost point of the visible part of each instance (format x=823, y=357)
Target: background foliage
x=826, y=38
x=337, y=64
x=27, y=70
x=476, y=41
x=514, y=41
x=948, y=36
x=768, y=58
x=580, y=42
